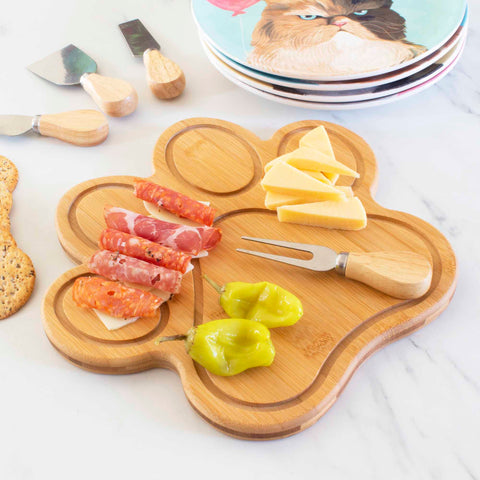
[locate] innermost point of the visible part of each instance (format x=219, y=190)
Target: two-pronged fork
x=399, y=274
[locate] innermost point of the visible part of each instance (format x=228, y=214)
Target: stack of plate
x=332, y=55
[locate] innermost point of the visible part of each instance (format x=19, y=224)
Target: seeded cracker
x=17, y=275
x=8, y=173
x=17, y=278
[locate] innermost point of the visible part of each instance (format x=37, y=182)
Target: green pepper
x=229, y=346
x=262, y=302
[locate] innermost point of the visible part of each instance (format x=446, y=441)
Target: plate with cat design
x=337, y=86
x=351, y=105
x=327, y=40
x=343, y=96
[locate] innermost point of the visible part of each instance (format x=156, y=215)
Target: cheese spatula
x=81, y=127
x=71, y=66
x=165, y=78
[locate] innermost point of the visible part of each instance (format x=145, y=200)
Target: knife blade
x=13, y=125
x=80, y=127
x=165, y=78
x=72, y=66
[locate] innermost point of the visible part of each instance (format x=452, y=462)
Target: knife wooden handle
x=81, y=127
x=404, y=275
x=115, y=97
x=165, y=78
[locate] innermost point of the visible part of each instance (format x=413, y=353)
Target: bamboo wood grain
x=344, y=321
x=114, y=96
x=404, y=275
x=81, y=127
x=165, y=78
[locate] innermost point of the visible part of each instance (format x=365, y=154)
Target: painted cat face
x=316, y=21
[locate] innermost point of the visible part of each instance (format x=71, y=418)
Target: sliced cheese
x=310, y=159
x=318, y=140
x=345, y=215
x=283, y=178
x=275, y=200
x=332, y=177
x=321, y=177
x=114, y=323
x=346, y=190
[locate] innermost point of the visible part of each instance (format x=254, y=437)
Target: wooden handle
x=115, y=97
x=165, y=78
x=81, y=127
x=399, y=274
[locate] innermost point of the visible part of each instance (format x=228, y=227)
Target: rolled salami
x=143, y=249
x=114, y=298
x=174, y=202
x=190, y=240
x=116, y=266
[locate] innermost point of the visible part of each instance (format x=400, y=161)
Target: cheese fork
x=400, y=274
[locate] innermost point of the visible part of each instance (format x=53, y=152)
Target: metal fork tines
x=323, y=258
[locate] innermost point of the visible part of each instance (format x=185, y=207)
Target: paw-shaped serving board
x=344, y=321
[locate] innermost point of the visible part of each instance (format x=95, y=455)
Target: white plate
x=360, y=43
x=345, y=95
x=345, y=85
x=350, y=105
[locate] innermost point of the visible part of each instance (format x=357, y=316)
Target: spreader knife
x=165, y=78
x=71, y=66
x=81, y=127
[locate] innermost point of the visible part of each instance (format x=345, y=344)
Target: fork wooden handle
x=165, y=78
x=404, y=275
x=114, y=96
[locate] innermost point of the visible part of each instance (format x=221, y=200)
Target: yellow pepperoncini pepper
x=262, y=302
x=229, y=346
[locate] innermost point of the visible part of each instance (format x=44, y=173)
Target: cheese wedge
x=318, y=176
x=275, y=200
x=283, y=178
x=332, y=177
x=310, y=159
x=345, y=215
x=318, y=140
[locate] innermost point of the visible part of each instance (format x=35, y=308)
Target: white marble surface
x=412, y=411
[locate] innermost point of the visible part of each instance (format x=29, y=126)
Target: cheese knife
x=72, y=66
x=165, y=78
x=81, y=127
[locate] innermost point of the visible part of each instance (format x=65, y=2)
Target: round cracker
x=17, y=279
x=8, y=173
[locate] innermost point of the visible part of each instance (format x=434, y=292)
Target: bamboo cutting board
x=344, y=321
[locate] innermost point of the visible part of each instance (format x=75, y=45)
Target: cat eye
x=309, y=17
x=361, y=12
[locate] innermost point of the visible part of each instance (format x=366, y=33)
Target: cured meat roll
x=116, y=266
x=143, y=249
x=190, y=240
x=176, y=203
x=114, y=298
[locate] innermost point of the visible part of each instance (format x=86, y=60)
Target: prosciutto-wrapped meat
x=143, y=249
x=176, y=203
x=114, y=298
x=190, y=240
x=116, y=266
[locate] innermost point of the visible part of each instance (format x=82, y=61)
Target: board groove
x=344, y=323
